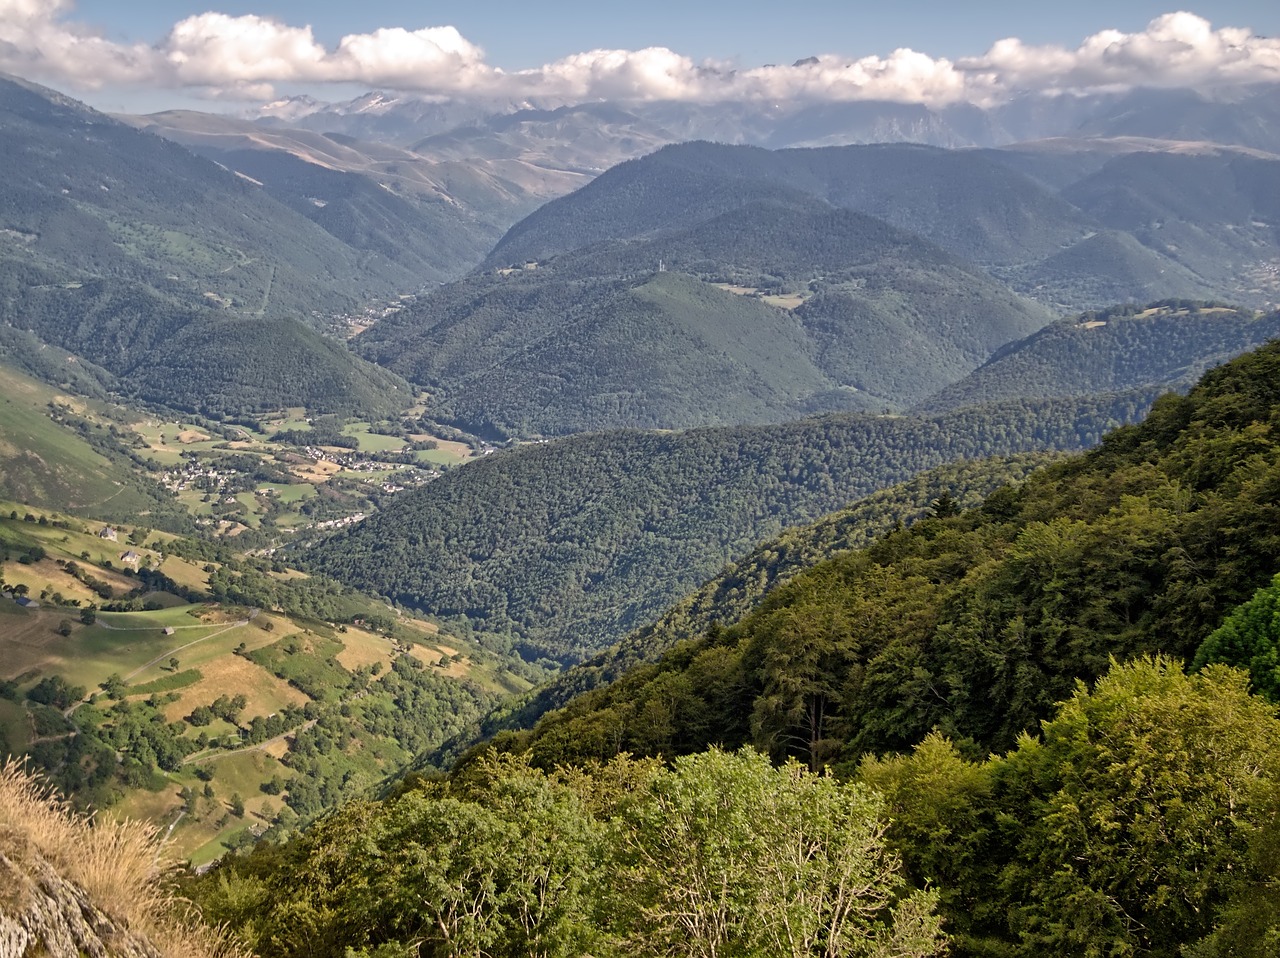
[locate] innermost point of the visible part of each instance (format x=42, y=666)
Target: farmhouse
x=108, y=533
x=130, y=558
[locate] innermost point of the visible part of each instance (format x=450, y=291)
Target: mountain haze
x=171, y=273
x=778, y=306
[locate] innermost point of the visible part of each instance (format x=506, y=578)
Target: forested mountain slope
x=1168, y=344
x=976, y=624
x=136, y=254
x=1077, y=228
x=564, y=547
x=759, y=314
x=963, y=201
x=741, y=585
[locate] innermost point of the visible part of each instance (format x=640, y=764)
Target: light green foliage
x=1250, y=639
x=1141, y=818
x=1136, y=809
x=722, y=855
x=727, y=855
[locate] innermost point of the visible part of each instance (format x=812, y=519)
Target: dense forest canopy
x=975, y=624
x=559, y=549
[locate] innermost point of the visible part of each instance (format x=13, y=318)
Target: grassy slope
x=48, y=464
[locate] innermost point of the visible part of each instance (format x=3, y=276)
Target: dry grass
x=120, y=865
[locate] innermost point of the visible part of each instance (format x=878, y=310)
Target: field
x=48, y=463
x=173, y=661
x=186, y=712
x=782, y=301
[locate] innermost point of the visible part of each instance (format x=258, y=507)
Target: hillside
x=1167, y=344
x=210, y=691
x=431, y=216
x=561, y=548
x=1082, y=225
x=976, y=624
x=127, y=250
x=88, y=196
x=53, y=457
x=224, y=366
x=743, y=584
x=759, y=314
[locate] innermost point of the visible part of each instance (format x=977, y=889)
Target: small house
x=108, y=533
x=168, y=630
x=130, y=558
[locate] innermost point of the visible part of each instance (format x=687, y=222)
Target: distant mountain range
x=700, y=284
x=1247, y=116
x=177, y=277
x=708, y=284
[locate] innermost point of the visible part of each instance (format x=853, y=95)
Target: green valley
x=233, y=697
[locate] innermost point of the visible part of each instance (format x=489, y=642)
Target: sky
x=146, y=54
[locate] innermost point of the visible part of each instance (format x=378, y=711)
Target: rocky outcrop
x=42, y=913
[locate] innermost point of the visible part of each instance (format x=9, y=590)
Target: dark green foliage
x=977, y=624
x=1169, y=344
x=162, y=350
x=316, y=597
x=168, y=683
x=600, y=338
x=732, y=593
x=224, y=366
x=54, y=690
x=567, y=546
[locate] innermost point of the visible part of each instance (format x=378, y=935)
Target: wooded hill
x=564, y=547
x=975, y=624
x=765, y=312
x=1119, y=347
x=129, y=251
x=1022, y=765
x=741, y=585
x=1170, y=343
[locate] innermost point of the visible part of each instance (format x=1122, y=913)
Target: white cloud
x=1175, y=50
x=244, y=56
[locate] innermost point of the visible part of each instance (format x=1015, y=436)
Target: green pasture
x=291, y=493
x=372, y=441
x=15, y=726
x=50, y=464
